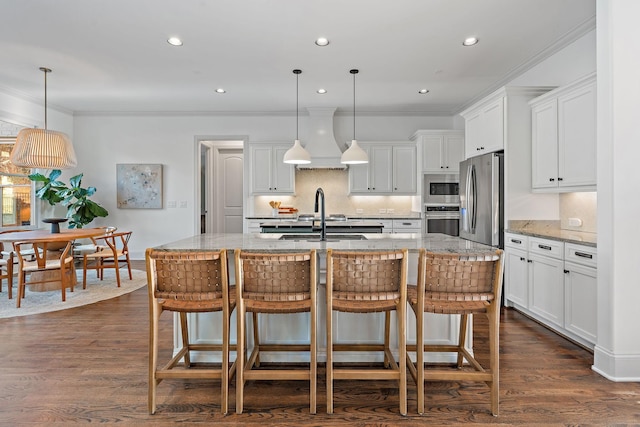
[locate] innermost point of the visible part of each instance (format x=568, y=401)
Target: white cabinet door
x=577, y=137
x=581, y=286
x=380, y=169
x=283, y=173
x=516, y=277
x=261, y=169
x=473, y=134
x=405, y=169
x=493, y=125
x=269, y=174
x=546, y=288
x=452, y=153
x=544, y=145
x=432, y=147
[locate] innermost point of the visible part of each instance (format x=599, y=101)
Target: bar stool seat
x=189, y=282
x=368, y=282
x=457, y=284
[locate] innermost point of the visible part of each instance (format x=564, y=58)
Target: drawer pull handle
x=545, y=247
x=583, y=255
x=567, y=272
x=516, y=241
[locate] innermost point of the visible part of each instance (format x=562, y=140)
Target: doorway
x=221, y=186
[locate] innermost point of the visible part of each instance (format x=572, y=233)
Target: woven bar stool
x=461, y=284
x=275, y=283
x=368, y=282
x=189, y=282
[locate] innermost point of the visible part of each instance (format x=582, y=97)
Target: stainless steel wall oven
x=442, y=218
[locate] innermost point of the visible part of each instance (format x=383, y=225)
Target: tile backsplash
x=335, y=184
x=580, y=206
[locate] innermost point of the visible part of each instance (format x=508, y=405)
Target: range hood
x=322, y=146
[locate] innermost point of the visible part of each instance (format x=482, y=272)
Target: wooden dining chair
x=112, y=251
x=6, y=269
x=48, y=265
x=457, y=284
x=275, y=284
x=368, y=282
x=189, y=282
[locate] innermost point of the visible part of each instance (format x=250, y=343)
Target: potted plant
x=81, y=210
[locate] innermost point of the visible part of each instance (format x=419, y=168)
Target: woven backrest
x=462, y=276
x=275, y=276
x=188, y=275
x=366, y=275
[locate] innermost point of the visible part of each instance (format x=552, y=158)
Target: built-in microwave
x=441, y=188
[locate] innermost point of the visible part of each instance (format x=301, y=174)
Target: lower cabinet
x=553, y=282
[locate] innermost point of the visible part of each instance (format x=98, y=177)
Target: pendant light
x=43, y=148
x=354, y=155
x=297, y=155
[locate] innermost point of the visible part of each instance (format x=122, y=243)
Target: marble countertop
x=379, y=241
x=549, y=230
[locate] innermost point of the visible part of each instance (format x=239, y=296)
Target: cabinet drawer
x=387, y=225
x=579, y=254
x=516, y=241
x=403, y=224
x=550, y=248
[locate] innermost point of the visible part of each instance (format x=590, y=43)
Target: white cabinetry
x=516, y=272
x=564, y=138
x=546, y=277
x=269, y=174
x=553, y=282
x=484, y=126
x=392, y=169
x=442, y=150
x=580, y=287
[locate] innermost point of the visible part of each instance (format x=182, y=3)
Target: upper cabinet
x=392, y=169
x=269, y=174
x=563, y=132
x=442, y=150
x=484, y=126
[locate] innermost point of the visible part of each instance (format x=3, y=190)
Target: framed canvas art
x=139, y=186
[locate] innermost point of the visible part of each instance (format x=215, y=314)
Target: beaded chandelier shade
x=43, y=148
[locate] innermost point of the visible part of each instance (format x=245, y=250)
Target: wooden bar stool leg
x=256, y=337
x=240, y=354
x=184, y=331
x=329, y=363
x=462, y=337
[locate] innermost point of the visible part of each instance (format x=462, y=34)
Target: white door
x=227, y=191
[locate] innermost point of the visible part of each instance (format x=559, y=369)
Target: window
x=15, y=187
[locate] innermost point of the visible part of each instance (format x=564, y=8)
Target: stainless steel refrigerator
x=481, y=199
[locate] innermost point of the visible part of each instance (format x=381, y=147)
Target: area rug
x=97, y=290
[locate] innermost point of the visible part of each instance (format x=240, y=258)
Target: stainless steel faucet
x=323, y=221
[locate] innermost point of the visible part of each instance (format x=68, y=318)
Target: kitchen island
x=439, y=328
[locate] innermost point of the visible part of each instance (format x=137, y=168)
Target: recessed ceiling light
x=322, y=41
x=470, y=41
x=321, y=91
x=220, y=90
x=174, y=41
x=423, y=91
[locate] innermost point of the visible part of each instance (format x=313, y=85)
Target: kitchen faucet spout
x=323, y=222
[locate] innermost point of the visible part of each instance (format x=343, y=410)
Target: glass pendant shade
x=43, y=148
x=354, y=155
x=297, y=155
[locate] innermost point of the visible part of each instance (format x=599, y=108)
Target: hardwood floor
x=89, y=364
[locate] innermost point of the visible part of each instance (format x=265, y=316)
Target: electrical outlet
x=171, y=204
x=183, y=204
x=359, y=211
x=382, y=211
x=390, y=210
x=575, y=222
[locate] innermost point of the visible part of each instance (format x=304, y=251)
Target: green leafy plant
x=80, y=209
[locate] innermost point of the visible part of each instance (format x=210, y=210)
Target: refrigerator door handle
x=474, y=193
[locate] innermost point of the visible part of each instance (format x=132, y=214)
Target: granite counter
x=551, y=230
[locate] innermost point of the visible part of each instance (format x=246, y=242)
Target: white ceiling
x=112, y=55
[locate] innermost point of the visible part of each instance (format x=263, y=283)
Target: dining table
x=45, y=235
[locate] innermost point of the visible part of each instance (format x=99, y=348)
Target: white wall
x=102, y=141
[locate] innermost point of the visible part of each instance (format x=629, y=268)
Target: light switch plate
x=575, y=222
